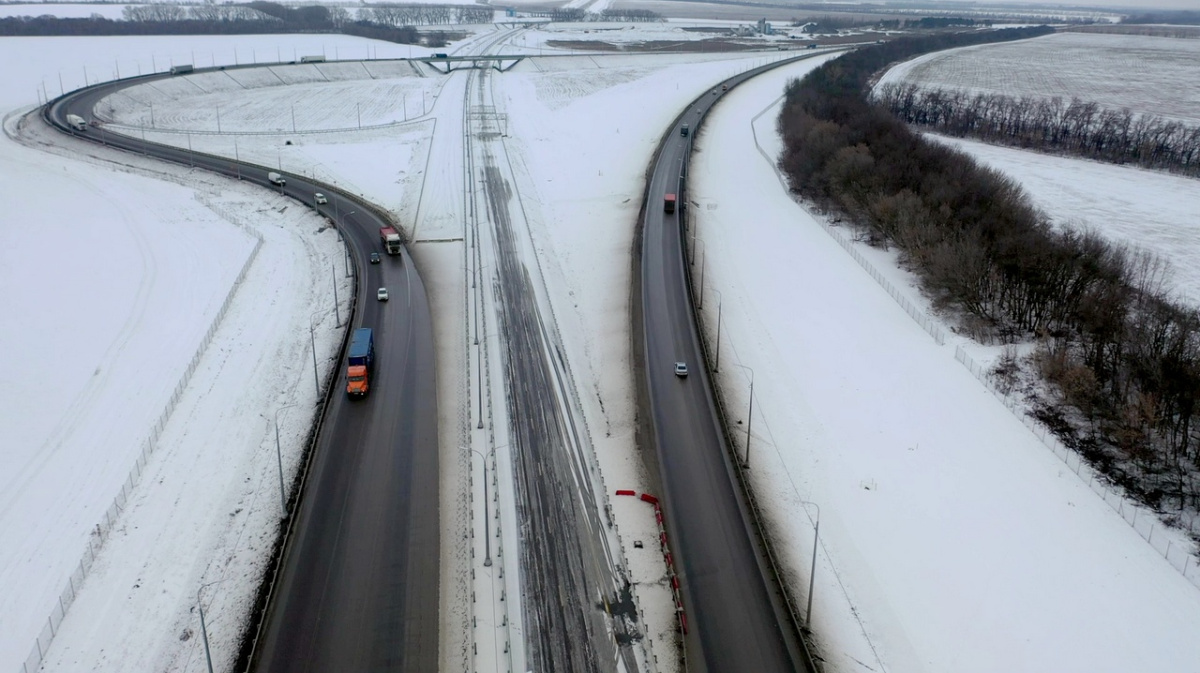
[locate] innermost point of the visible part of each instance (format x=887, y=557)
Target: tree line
x=1080, y=128
x=424, y=15
x=1123, y=358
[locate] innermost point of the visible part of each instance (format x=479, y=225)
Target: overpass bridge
x=500, y=62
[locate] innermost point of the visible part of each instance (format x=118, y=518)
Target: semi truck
x=359, y=362
x=390, y=239
x=76, y=122
x=182, y=69
x=669, y=203
x=312, y=59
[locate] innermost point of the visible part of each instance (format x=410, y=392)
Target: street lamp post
x=749, y=416
x=336, y=311
x=720, y=305
x=812, y=574
x=313, y=340
x=203, y=626
x=279, y=458
x=487, y=537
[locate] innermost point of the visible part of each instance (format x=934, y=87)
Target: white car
x=681, y=369
x=320, y=198
x=382, y=294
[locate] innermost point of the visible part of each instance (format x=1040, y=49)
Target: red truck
x=390, y=239
x=669, y=203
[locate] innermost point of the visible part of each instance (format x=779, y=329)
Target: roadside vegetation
x=1080, y=128
x=1121, y=358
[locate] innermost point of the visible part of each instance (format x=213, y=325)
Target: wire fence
x=100, y=533
x=1179, y=553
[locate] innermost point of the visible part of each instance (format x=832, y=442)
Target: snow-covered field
x=65, y=11
x=951, y=540
x=1155, y=75
x=116, y=273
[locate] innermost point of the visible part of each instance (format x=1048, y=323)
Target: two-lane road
x=735, y=613
x=358, y=586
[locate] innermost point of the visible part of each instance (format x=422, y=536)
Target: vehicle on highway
x=390, y=239
x=182, y=69
x=276, y=179
x=320, y=198
x=669, y=203
x=724, y=87
x=312, y=59
x=714, y=92
x=683, y=130
x=374, y=258
x=76, y=122
x=381, y=294
x=359, y=362
x=681, y=369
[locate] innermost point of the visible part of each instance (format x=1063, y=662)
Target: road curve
x=357, y=588
x=735, y=614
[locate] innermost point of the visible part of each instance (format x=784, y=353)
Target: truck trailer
x=359, y=362
x=182, y=69
x=389, y=238
x=76, y=122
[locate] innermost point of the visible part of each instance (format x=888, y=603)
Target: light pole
x=720, y=304
x=279, y=458
x=749, y=416
x=203, y=626
x=313, y=340
x=336, y=312
x=487, y=537
x=812, y=574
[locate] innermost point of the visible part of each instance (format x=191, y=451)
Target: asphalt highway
x=736, y=620
x=358, y=585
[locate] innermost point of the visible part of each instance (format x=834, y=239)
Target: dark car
x=374, y=258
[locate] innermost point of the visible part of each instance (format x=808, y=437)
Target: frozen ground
x=1154, y=75
x=951, y=538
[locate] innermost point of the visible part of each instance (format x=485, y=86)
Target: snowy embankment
x=117, y=278
x=951, y=539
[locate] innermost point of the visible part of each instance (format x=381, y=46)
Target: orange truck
x=360, y=361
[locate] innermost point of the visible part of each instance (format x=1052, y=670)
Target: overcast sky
x=1128, y=5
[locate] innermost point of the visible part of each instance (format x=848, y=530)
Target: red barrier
x=649, y=498
x=625, y=491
